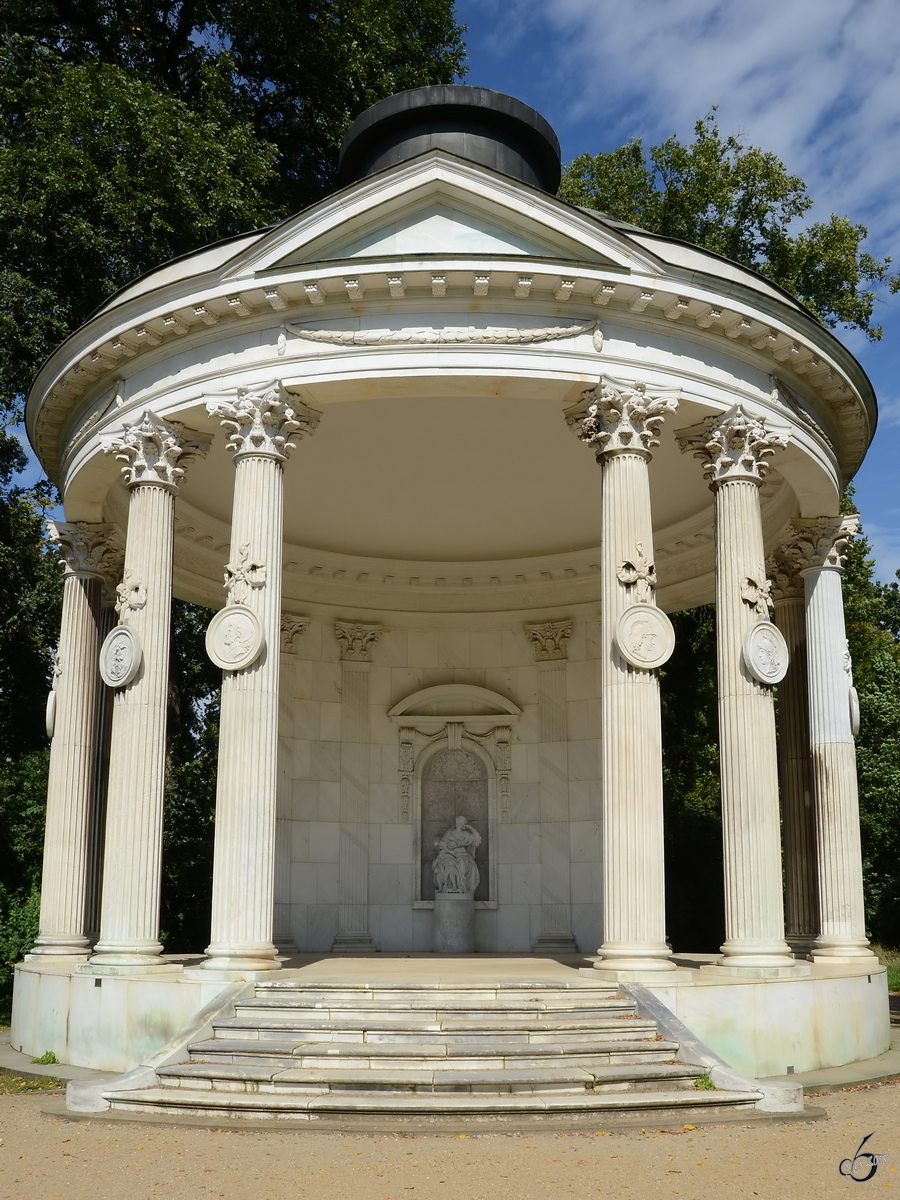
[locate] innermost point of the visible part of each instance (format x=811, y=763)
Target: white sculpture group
x=454, y=867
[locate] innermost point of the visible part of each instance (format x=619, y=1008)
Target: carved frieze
x=447, y=335
x=156, y=451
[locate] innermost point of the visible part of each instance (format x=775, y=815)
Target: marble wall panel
x=322, y=926
x=304, y=883
x=323, y=841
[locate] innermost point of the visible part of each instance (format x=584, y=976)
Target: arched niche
x=455, y=752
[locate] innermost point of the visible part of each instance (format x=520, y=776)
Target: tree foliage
x=741, y=202
x=134, y=132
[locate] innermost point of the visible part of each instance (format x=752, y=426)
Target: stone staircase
x=433, y=1055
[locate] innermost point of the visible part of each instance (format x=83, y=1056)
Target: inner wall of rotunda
x=314, y=773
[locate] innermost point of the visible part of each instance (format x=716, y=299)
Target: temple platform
x=762, y=1027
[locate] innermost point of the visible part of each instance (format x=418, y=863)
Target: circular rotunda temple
x=455, y=447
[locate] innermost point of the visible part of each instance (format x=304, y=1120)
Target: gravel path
x=44, y=1157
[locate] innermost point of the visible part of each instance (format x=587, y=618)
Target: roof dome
x=484, y=126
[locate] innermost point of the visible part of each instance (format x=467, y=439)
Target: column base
x=615, y=974
x=737, y=970
x=285, y=945
x=555, y=943
x=142, y=968
x=47, y=951
x=240, y=959
x=841, y=951
x=127, y=954
x=353, y=943
x=802, y=945
x=654, y=958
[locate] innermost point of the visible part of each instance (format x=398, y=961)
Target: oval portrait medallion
x=120, y=657
x=645, y=636
x=51, y=713
x=234, y=638
x=854, y=711
x=766, y=654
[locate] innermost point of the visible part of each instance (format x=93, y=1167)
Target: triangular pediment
x=440, y=205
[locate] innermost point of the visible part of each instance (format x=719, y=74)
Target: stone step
x=475, y=1056
x=221, y=1077
x=430, y=1008
x=511, y=1029
x=470, y=995
x=267, y=1106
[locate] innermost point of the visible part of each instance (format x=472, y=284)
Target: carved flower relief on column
x=757, y=593
x=639, y=573
x=243, y=574
x=549, y=639
x=356, y=641
x=156, y=451
x=735, y=445
x=131, y=595
x=503, y=734
x=263, y=419
x=616, y=416
x=291, y=629
x=407, y=765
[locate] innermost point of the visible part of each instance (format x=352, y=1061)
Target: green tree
x=741, y=202
x=134, y=132
x=30, y=593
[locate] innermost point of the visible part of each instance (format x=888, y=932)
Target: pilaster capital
x=733, y=446
x=356, y=641
x=291, y=629
x=549, y=640
x=263, y=419
x=819, y=543
x=85, y=551
x=156, y=451
x=615, y=417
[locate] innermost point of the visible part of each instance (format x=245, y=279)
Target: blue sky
x=817, y=81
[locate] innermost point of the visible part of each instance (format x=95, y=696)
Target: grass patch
x=46, y=1059
x=19, y=1085
x=891, y=959
x=703, y=1083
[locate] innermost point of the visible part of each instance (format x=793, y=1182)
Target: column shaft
x=97, y=829
x=246, y=792
x=129, y=923
x=797, y=807
x=634, y=919
x=63, y=929
x=556, y=908
x=353, y=900
x=281, y=930
x=842, y=929
x=754, y=910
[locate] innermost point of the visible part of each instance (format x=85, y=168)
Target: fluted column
x=798, y=815
x=842, y=928
x=155, y=452
x=85, y=553
x=734, y=449
x=621, y=424
x=245, y=640
x=549, y=640
x=291, y=629
x=356, y=642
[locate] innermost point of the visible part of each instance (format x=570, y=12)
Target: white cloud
x=817, y=81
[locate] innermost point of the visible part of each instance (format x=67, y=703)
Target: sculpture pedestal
x=454, y=923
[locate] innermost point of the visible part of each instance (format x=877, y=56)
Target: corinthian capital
x=156, y=451
x=783, y=568
x=616, y=417
x=263, y=419
x=735, y=445
x=356, y=641
x=86, y=551
x=819, y=542
x=549, y=640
